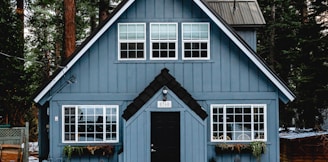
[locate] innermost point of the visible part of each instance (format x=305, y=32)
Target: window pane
x=140, y=46
x=155, y=45
x=172, y=54
x=163, y=46
x=195, y=54
x=163, y=53
x=204, y=54
x=139, y=54
x=155, y=54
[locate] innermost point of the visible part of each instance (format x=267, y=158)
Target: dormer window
x=132, y=38
x=163, y=39
x=195, y=41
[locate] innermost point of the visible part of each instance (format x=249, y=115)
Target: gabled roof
x=239, y=13
x=161, y=80
x=216, y=18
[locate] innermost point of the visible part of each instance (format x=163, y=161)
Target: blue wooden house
x=165, y=80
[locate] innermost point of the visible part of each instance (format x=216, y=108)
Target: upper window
x=195, y=41
x=90, y=124
x=163, y=39
x=131, y=38
x=238, y=123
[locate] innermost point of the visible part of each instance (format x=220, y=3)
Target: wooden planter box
x=11, y=153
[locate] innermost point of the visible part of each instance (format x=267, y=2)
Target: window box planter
x=256, y=148
x=97, y=150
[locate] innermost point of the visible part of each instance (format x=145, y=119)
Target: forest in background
x=36, y=38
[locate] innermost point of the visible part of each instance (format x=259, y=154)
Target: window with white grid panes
x=163, y=40
x=241, y=123
x=131, y=38
x=195, y=41
x=90, y=124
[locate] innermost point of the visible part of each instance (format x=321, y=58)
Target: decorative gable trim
x=163, y=79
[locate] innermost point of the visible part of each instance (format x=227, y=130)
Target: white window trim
x=166, y=41
x=207, y=41
x=131, y=41
x=252, y=122
x=76, y=123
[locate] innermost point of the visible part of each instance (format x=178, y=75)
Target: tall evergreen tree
x=12, y=76
x=296, y=51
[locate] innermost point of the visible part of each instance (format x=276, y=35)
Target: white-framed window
x=238, y=122
x=90, y=123
x=131, y=41
x=195, y=41
x=163, y=41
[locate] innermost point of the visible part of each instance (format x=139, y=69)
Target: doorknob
x=152, y=149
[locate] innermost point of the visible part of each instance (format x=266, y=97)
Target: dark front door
x=165, y=137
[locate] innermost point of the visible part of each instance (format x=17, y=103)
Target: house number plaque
x=164, y=104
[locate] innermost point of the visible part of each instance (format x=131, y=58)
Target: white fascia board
x=255, y=60
x=82, y=52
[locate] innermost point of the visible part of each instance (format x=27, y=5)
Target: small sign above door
x=164, y=104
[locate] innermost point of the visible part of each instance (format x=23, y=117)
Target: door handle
x=151, y=148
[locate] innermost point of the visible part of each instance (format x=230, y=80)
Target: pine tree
x=13, y=79
x=297, y=51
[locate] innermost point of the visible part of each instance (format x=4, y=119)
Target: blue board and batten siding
x=229, y=77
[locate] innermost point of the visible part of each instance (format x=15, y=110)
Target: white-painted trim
x=252, y=106
x=82, y=51
x=76, y=107
x=131, y=41
x=250, y=55
x=170, y=41
x=208, y=41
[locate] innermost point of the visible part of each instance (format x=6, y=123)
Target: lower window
x=233, y=123
x=90, y=123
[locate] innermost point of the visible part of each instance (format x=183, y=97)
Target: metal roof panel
x=238, y=12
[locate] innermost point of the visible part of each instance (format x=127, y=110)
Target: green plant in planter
x=68, y=150
x=258, y=147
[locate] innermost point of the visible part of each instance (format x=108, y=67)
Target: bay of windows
x=90, y=123
x=241, y=123
x=163, y=41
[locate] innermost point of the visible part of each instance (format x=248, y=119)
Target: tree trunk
x=272, y=37
x=69, y=34
x=20, y=14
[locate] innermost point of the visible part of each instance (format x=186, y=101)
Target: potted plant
x=68, y=151
x=101, y=150
x=256, y=148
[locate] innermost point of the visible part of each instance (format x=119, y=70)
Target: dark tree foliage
x=293, y=45
x=12, y=76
